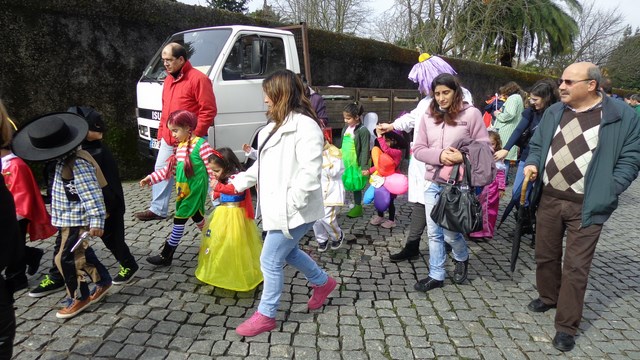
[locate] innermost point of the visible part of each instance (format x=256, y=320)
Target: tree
x=341, y=16
x=623, y=66
x=502, y=30
x=266, y=13
x=600, y=33
x=518, y=28
x=239, y=6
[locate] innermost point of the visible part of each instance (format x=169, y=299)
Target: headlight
x=143, y=130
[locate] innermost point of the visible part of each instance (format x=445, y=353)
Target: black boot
x=460, y=272
x=165, y=257
x=409, y=252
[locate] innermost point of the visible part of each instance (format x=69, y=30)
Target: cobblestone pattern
x=374, y=314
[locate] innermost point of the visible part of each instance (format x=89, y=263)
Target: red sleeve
x=207, y=109
x=228, y=189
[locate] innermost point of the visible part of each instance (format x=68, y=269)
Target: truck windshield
x=203, y=47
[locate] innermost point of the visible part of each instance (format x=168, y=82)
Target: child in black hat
x=113, y=237
x=77, y=204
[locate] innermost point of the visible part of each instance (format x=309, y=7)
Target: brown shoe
x=73, y=309
x=147, y=215
x=98, y=292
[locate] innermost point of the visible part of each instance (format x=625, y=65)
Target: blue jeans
x=517, y=184
x=438, y=235
x=277, y=251
x=161, y=192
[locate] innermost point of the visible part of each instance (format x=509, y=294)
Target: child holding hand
x=229, y=255
x=192, y=180
x=356, y=155
x=391, y=143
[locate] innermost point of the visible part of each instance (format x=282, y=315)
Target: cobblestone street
x=374, y=314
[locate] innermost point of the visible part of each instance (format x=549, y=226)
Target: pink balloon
x=396, y=183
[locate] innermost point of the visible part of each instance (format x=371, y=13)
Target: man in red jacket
x=185, y=88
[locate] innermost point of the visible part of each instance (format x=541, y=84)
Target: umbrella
x=524, y=224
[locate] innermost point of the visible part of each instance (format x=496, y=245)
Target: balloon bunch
x=384, y=181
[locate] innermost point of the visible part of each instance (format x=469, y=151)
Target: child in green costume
x=356, y=155
x=192, y=180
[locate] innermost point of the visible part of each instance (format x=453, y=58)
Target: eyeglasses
x=165, y=61
x=571, y=82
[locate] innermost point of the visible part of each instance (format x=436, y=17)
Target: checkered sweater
x=77, y=202
x=571, y=150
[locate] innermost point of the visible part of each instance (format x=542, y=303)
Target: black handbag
x=458, y=208
x=524, y=138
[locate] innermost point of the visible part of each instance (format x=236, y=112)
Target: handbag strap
x=453, y=177
x=466, y=179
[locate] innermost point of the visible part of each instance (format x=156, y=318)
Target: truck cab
x=236, y=59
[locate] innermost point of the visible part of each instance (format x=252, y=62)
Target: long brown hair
x=286, y=91
x=449, y=115
x=6, y=128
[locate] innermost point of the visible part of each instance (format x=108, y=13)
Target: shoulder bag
x=458, y=208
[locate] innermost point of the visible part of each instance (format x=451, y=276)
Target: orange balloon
x=375, y=155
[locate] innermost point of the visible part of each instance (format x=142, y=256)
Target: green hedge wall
x=80, y=52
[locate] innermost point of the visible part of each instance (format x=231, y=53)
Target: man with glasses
x=185, y=88
x=584, y=154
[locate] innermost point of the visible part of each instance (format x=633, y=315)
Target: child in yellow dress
x=229, y=255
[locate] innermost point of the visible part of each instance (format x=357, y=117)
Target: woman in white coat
x=287, y=174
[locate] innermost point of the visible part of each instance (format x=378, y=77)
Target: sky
x=629, y=8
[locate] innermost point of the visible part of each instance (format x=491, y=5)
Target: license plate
x=154, y=144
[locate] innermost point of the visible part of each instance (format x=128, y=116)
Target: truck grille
x=153, y=133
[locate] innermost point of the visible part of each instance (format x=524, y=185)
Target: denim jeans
x=161, y=192
x=437, y=237
x=277, y=251
x=517, y=184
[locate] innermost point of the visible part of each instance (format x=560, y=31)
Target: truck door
x=238, y=89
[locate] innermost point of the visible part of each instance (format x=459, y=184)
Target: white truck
x=236, y=59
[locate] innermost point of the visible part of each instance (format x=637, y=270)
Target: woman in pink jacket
x=446, y=122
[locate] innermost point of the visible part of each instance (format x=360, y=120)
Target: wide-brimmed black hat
x=49, y=136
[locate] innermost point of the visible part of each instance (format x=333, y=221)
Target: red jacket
x=192, y=91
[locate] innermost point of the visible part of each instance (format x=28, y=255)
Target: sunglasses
x=571, y=82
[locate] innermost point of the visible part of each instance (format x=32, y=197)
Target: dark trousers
x=74, y=265
x=7, y=321
x=417, y=226
x=16, y=271
x=113, y=239
x=558, y=283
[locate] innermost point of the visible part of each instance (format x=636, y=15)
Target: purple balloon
x=381, y=199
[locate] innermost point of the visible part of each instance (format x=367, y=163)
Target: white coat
x=288, y=174
x=332, y=170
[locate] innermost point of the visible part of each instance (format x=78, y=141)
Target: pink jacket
x=432, y=139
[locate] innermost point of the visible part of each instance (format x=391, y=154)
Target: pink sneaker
x=256, y=325
x=320, y=293
x=388, y=224
x=376, y=220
